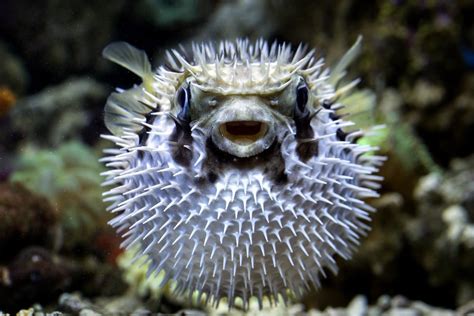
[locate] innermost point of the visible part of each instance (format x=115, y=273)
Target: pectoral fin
x=124, y=111
x=340, y=70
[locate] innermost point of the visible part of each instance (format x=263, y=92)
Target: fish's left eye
x=302, y=118
x=301, y=98
x=183, y=98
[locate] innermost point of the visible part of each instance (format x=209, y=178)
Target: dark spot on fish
x=333, y=116
x=180, y=140
x=301, y=114
x=303, y=127
x=326, y=104
x=181, y=137
x=200, y=181
x=306, y=146
x=306, y=150
x=355, y=139
x=182, y=156
x=302, y=97
x=304, y=132
x=340, y=134
x=212, y=177
x=143, y=134
x=281, y=178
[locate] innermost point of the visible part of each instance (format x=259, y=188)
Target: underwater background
x=57, y=252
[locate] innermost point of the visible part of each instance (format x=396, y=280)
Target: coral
x=422, y=36
x=442, y=232
x=420, y=246
x=135, y=274
x=69, y=178
x=25, y=219
x=61, y=112
x=442, y=139
x=7, y=100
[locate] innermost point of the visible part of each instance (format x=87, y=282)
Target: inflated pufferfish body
x=232, y=172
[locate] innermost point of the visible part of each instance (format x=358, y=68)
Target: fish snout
x=243, y=129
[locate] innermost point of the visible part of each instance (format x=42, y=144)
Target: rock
x=88, y=312
x=399, y=301
x=25, y=219
x=122, y=304
x=358, y=306
x=400, y=311
x=73, y=303
x=466, y=309
x=455, y=217
x=35, y=275
x=26, y=312
x=383, y=302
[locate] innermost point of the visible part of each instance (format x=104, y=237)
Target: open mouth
x=243, y=132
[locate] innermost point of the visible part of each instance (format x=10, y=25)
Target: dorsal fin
x=340, y=70
x=128, y=57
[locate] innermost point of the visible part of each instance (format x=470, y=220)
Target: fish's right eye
x=302, y=96
x=183, y=98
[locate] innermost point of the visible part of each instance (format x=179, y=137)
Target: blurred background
x=417, y=70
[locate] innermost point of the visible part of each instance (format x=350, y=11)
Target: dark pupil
x=183, y=100
x=301, y=97
x=182, y=97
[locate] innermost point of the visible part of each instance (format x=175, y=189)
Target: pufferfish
x=233, y=171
